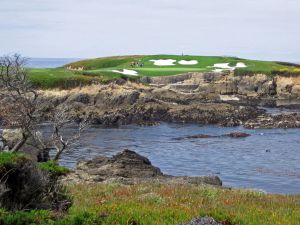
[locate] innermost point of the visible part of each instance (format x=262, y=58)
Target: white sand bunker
x=223, y=66
x=188, y=62
x=240, y=65
x=127, y=72
x=218, y=70
x=164, y=62
x=220, y=67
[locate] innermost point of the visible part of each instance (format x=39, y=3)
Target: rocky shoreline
x=203, y=98
x=129, y=168
x=164, y=99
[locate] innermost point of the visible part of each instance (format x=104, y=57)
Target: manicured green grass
x=159, y=204
x=106, y=62
x=58, y=77
x=205, y=64
x=63, y=78
x=101, y=69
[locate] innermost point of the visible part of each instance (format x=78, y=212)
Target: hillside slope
x=134, y=67
x=161, y=65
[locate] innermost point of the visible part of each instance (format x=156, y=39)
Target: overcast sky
x=262, y=29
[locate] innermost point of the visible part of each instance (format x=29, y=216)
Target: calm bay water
x=49, y=62
x=268, y=160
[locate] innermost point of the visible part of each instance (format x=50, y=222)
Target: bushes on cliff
x=53, y=168
x=24, y=185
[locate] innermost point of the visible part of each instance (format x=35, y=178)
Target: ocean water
x=49, y=62
x=268, y=160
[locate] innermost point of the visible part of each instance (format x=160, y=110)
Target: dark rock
x=120, y=81
x=81, y=97
x=230, y=122
x=285, y=120
x=203, y=221
x=129, y=167
x=126, y=164
x=196, y=137
x=232, y=135
x=238, y=135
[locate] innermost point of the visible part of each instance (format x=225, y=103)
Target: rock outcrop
x=128, y=167
x=113, y=105
x=262, y=85
x=204, y=98
x=287, y=120
x=203, y=221
x=201, y=136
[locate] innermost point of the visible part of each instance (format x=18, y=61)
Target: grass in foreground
x=147, y=204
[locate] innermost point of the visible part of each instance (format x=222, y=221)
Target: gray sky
x=262, y=29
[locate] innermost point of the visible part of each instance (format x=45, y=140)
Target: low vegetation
x=105, y=62
x=57, y=77
x=205, y=64
x=26, y=185
x=101, y=69
x=53, y=168
x=8, y=159
x=166, y=204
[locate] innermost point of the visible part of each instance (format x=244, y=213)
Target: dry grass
x=94, y=89
x=90, y=89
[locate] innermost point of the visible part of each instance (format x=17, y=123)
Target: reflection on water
x=268, y=160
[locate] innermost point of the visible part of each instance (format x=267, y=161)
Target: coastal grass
x=10, y=159
x=178, y=203
x=53, y=168
x=160, y=204
x=63, y=78
x=101, y=69
x=56, y=77
x=105, y=62
x=205, y=64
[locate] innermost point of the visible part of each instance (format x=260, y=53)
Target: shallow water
x=269, y=160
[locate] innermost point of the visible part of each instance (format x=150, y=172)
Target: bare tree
x=21, y=108
x=58, y=139
x=18, y=98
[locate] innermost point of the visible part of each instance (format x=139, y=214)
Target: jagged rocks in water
x=126, y=164
x=197, y=136
x=238, y=135
x=203, y=221
x=291, y=120
x=128, y=167
x=200, y=136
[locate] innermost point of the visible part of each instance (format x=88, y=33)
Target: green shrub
x=53, y=168
x=10, y=159
x=23, y=218
x=24, y=184
x=47, y=217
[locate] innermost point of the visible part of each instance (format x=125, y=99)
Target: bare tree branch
x=59, y=140
x=21, y=108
